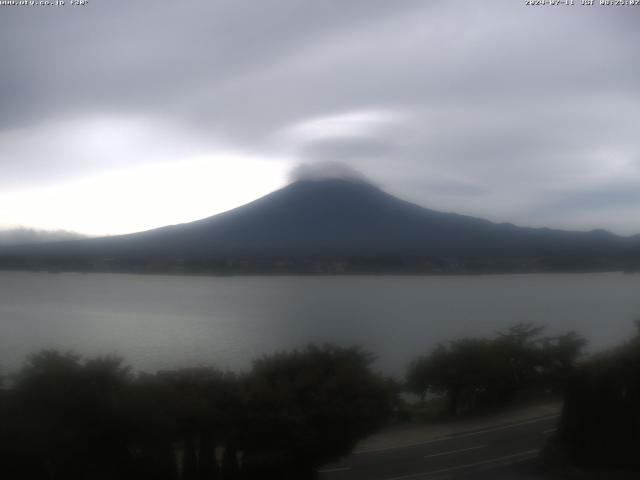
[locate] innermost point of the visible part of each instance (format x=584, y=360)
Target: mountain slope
x=22, y=235
x=334, y=218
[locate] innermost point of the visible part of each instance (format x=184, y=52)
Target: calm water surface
x=171, y=321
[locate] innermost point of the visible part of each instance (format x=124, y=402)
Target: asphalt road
x=498, y=452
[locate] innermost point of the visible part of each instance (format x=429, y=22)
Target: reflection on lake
x=171, y=321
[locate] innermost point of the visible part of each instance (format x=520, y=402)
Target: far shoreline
x=324, y=274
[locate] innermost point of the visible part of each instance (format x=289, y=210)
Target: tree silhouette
x=64, y=417
x=600, y=423
x=312, y=405
x=478, y=373
x=68, y=418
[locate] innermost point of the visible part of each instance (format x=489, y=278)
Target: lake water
x=172, y=321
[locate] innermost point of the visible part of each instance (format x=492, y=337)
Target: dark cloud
x=325, y=171
x=348, y=149
x=439, y=101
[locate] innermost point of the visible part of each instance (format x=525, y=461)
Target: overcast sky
x=120, y=116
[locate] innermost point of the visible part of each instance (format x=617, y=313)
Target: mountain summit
x=328, y=220
x=327, y=171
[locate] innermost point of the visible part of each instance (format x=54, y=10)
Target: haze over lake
x=160, y=322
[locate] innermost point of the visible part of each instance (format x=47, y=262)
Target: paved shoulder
x=451, y=450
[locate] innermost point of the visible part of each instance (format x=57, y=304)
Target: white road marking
x=503, y=427
x=499, y=461
x=451, y=452
x=455, y=437
x=332, y=470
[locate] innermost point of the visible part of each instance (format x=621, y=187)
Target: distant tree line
x=329, y=264
x=64, y=417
